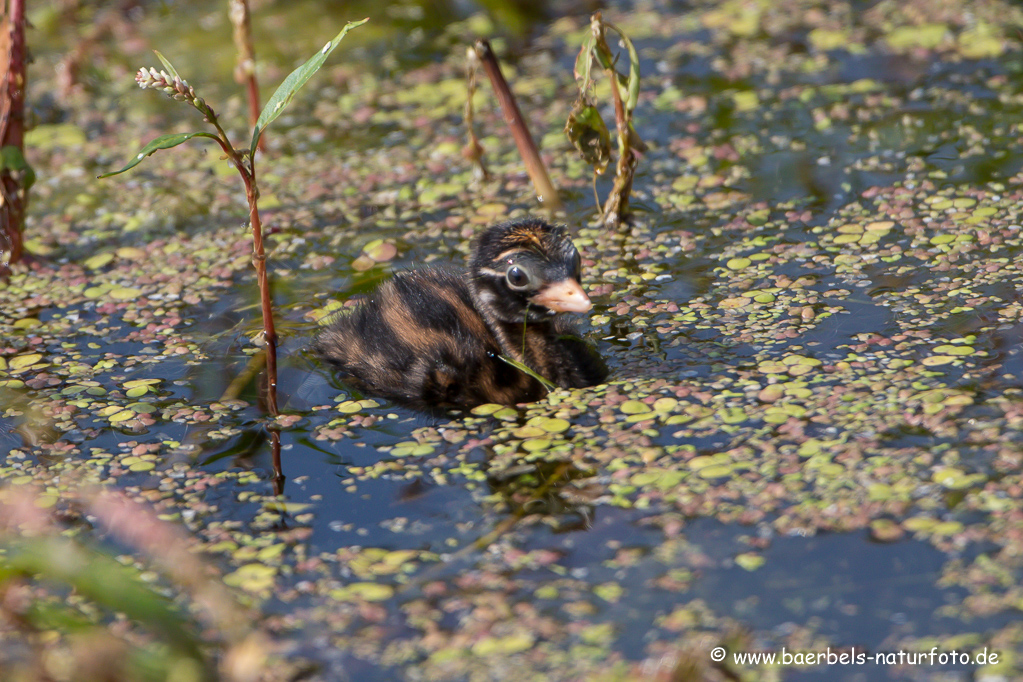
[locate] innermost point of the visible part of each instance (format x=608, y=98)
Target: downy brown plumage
x=431, y=338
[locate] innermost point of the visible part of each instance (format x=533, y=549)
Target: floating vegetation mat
x=813, y=434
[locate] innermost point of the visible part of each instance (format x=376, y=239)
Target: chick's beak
x=565, y=296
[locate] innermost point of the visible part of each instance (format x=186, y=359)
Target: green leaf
x=295, y=80
x=633, y=71
x=601, y=50
x=607, y=60
x=167, y=65
x=162, y=142
x=584, y=62
x=589, y=134
x=11, y=159
x=526, y=370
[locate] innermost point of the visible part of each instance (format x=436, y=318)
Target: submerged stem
x=617, y=204
x=473, y=150
x=259, y=262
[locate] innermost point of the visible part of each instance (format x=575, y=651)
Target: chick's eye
x=517, y=277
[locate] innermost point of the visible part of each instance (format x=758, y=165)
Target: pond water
x=811, y=438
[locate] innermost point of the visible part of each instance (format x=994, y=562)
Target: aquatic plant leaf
x=635, y=141
x=526, y=370
x=162, y=142
x=295, y=80
x=589, y=134
x=633, y=82
x=11, y=159
x=608, y=59
x=167, y=65
x=584, y=62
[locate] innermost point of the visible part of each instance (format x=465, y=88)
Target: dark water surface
x=582, y=564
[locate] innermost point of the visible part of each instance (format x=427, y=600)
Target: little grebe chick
x=432, y=339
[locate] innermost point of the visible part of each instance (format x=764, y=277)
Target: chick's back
x=420, y=340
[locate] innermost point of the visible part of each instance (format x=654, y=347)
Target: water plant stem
x=617, y=204
x=246, y=166
x=12, y=131
x=545, y=191
x=259, y=262
x=473, y=150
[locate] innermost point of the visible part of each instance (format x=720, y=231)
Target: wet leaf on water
x=634, y=407
x=886, y=530
x=550, y=424
x=750, y=561
x=98, y=261
x=371, y=592
x=256, y=578
x=19, y=362
x=509, y=644
x=380, y=251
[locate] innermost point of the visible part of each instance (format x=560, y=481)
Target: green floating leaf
x=167, y=65
x=525, y=369
x=162, y=142
x=295, y=80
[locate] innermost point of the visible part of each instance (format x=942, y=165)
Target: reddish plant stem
x=520, y=131
x=473, y=150
x=248, y=173
x=275, y=458
x=617, y=204
x=259, y=262
x=12, y=129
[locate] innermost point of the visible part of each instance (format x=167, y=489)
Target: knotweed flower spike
x=174, y=86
